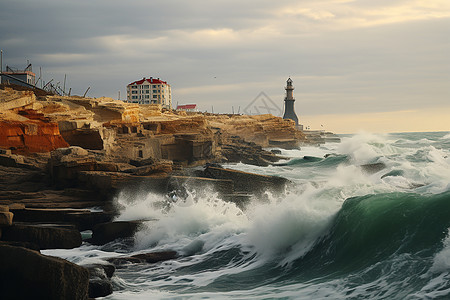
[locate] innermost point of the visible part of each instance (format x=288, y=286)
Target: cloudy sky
x=381, y=66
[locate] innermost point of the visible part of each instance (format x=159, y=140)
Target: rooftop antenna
x=40, y=78
x=84, y=95
x=1, y=61
x=64, y=86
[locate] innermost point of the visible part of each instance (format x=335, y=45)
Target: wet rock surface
x=61, y=155
x=107, y=232
x=100, y=284
x=45, y=236
x=27, y=274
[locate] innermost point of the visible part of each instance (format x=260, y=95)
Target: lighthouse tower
x=289, y=112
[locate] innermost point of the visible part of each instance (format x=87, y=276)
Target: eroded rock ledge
x=61, y=155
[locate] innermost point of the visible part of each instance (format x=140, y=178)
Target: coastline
x=63, y=160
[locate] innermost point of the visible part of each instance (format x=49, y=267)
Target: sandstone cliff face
x=124, y=131
x=259, y=129
x=30, y=136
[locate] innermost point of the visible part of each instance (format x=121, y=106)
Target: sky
x=379, y=66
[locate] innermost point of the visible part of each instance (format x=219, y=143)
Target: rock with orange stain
x=30, y=136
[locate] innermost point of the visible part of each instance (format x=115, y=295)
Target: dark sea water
x=340, y=232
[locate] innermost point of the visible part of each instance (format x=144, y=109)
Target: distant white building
x=150, y=91
x=187, y=107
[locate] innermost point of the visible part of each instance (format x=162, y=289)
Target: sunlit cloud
x=64, y=57
x=345, y=56
x=342, y=15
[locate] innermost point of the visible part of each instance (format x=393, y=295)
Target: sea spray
x=337, y=232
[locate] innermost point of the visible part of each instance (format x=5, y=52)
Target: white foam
x=289, y=226
x=85, y=254
x=282, y=229
x=441, y=261
x=446, y=137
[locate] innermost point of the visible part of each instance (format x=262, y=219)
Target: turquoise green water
x=339, y=232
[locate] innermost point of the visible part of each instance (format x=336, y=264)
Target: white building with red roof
x=150, y=91
x=187, y=107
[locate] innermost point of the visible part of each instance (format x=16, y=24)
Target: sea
x=339, y=231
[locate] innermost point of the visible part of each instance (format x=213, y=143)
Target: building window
x=134, y=97
x=147, y=96
x=134, y=92
x=155, y=96
x=154, y=86
x=147, y=91
x=155, y=91
x=134, y=86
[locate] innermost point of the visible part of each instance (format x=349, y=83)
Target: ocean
x=340, y=231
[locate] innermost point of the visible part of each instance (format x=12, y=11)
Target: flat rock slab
x=248, y=182
x=45, y=236
x=83, y=219
x=107, y=232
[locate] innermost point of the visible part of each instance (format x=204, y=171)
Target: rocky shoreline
x=63, y=159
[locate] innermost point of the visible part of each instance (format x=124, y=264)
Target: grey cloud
x=362, y=69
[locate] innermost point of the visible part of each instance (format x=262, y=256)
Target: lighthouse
x=289, y=112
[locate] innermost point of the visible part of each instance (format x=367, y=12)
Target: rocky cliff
x=123, y=131
x=61, y=155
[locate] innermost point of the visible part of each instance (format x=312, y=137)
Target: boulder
x=100, y=284
x=27, y=274
x=45, y=236
x=99, y=287
x=100, y=270
x=107, y=232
